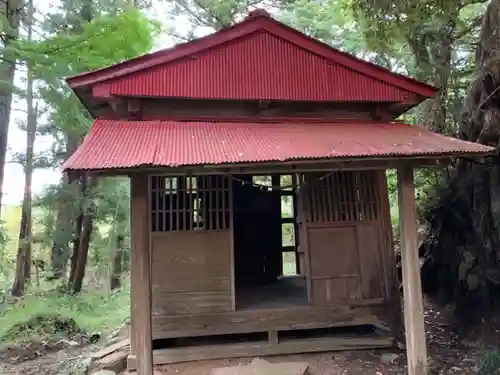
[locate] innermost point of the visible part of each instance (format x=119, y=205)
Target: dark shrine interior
x=266, y=268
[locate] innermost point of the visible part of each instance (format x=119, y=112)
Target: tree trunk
x=116, y=273
x=82, y=255
x=78, y=237
x=23, y=270
x=64, y=230
x=11, y=10
x=83, y=233
x=65, y=214
x=59, y=253
x=462, y=243
x=432, y=53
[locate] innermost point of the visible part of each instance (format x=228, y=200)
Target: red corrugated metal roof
x=113, y=144
x=258, y=66
x=249, y=60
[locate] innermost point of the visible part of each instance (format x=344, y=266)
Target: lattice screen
x=339, y=196
x=182, y=203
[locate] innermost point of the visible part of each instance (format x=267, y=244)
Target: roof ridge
x=253, y=119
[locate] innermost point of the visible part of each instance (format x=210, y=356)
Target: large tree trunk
x=59, y=253
x=76, y=280
x=462, y=245
x=64, y=230
x=23, y=270
x=12, y=11
x=78, y=234
x=117, y=270
x=83, y=233
x=432, y=53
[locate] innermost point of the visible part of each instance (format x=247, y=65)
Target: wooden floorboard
x=263, y=348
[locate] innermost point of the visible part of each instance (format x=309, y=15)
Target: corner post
x=140, y=290
x=413, y=300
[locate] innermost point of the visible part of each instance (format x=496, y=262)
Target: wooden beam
x=141, y=306
x=412, y=288
x=284, y=167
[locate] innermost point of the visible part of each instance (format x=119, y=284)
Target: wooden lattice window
x=340, y=196
x=180, y=203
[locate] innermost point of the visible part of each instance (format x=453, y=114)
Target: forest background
x=65, y=248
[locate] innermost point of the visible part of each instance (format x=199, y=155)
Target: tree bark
x=59, y=253
x=116, y=273
x=432, y=52
x=78, y=234
x=64, y=230
x=12, y=10
x=463, y=223
x=23, y=270
x=83, y=227
x=82, y=254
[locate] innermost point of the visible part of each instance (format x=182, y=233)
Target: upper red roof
x=258, y=58
x=113, y=144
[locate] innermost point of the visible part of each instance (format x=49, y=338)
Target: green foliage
x=42, y=326
x=331, y=22
x=490, y=363
x=130, y=33
x=32, y=312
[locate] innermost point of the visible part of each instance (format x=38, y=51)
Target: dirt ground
x=448, y=354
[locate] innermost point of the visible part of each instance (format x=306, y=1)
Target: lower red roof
x=113, y=144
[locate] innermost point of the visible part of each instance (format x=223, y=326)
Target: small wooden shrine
x=217, y=136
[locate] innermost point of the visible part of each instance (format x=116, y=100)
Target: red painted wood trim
x=101, y=91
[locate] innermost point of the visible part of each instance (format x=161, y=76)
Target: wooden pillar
x=391, y=280
x=140, y=290
x=413, y=300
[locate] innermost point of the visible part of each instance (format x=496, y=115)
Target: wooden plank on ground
x=110, y=349
x=264, y=348
x=116, y=361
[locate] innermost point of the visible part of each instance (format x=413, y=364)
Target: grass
x=93, y=312
x=490, y=363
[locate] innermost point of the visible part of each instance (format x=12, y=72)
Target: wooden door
x=334, y=262
x=344, y=263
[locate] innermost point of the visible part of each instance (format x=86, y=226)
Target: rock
x=104, y=372
x=389, y=358
x=262, y=367
x=330, y=371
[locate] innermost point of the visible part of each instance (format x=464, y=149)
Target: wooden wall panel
x=192, y=303
x=343, y=221
x=335, y=290
x=334, y=251
x=168, y=108
x=370, y=250
x=191, y=271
